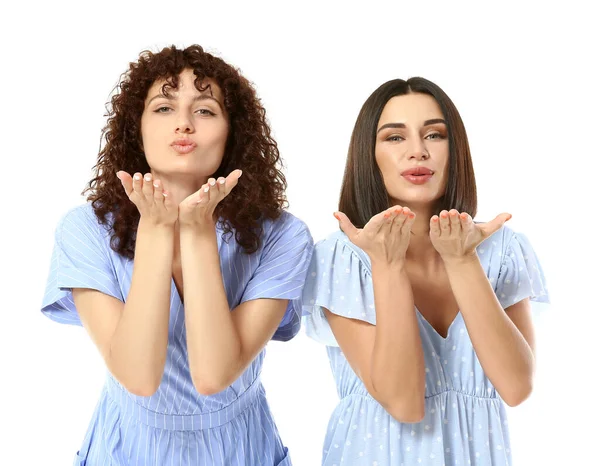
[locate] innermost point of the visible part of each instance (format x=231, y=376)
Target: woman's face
x=185, y=133
x=412, y=151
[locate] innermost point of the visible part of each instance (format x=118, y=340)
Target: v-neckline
x=434, y=330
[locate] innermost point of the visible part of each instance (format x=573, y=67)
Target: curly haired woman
x=182, y=275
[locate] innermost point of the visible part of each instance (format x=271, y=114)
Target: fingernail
x=212, y=183
x=148, y=177
x=165, y=193
x=336, y=216
x=222, y=181
x=240, y=173
x=137, y=177
x=155, y=184
x=206, y=189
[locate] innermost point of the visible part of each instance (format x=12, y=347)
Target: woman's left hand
x=197, y=210
x=455, y=236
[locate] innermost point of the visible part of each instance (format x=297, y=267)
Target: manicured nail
x=156, y=183
x=137, y=177
x=222, y=181
x=240, y=173
x=148, y=177
x=211, y=182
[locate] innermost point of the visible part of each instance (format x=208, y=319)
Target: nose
x=184, y=123
x=417, y=150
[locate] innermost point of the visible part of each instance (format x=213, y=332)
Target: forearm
x=214, y=348
x=503, y=352
x=138, y=346
x=397, y=368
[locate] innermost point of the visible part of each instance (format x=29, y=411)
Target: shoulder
x=498, y=243
x=287, y=226
x=80, y=222
x=337, y=247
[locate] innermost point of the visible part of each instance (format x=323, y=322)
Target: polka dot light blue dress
x=465, y=420
x=177, y=426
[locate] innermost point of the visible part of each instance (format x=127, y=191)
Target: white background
x=521, y=76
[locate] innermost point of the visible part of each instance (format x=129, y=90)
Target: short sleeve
x=282, y=271
x=339, y=280
x=79, y=260
x=521, y=275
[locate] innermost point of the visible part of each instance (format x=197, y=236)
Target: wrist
x=462, y=260
x=383, y=266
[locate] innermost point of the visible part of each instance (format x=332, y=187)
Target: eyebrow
x=196, y=99
x=402, y=125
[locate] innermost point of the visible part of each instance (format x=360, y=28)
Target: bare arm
x=503, y=340
x=221, y=343
x=388, y=357
x=132, y=337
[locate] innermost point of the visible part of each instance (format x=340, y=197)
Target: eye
x=162, y=110
x=434, y=136
x=205, y=112
x=395, y=138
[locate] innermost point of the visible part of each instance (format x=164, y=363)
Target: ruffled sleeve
x=339, y=280
x=521, y=275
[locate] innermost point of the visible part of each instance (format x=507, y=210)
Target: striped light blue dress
x=465, y=420
x=177, y=425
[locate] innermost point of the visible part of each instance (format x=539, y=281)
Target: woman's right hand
x=385, y=237
x=148, y=195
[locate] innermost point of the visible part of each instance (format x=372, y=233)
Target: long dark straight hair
x=363, y=192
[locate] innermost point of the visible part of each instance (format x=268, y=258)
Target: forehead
x=186, y=87
x=411, y=108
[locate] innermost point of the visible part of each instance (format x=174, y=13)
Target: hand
x=455, y=236
x=385, y=237
x=153, y=203
x=197, y=210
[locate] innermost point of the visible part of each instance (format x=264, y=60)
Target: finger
x=491, y=227
x=444, y=222
x=137, y=184
x=221, y=187
x=126, y=181
x=434, y=226
x=159, y=194
x=147, y=187
x=204, y=194
x=394, y=213
x=232, y=180
x=374, y=225
x=401, y=217
x=455, y=227
x=465, y=221
x=410, y=219
x=346, y=225
x=213, y=190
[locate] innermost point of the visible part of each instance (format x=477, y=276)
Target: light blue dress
x=177, y=425
x=465, y=420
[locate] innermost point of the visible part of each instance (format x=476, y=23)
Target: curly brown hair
x=259, y=194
